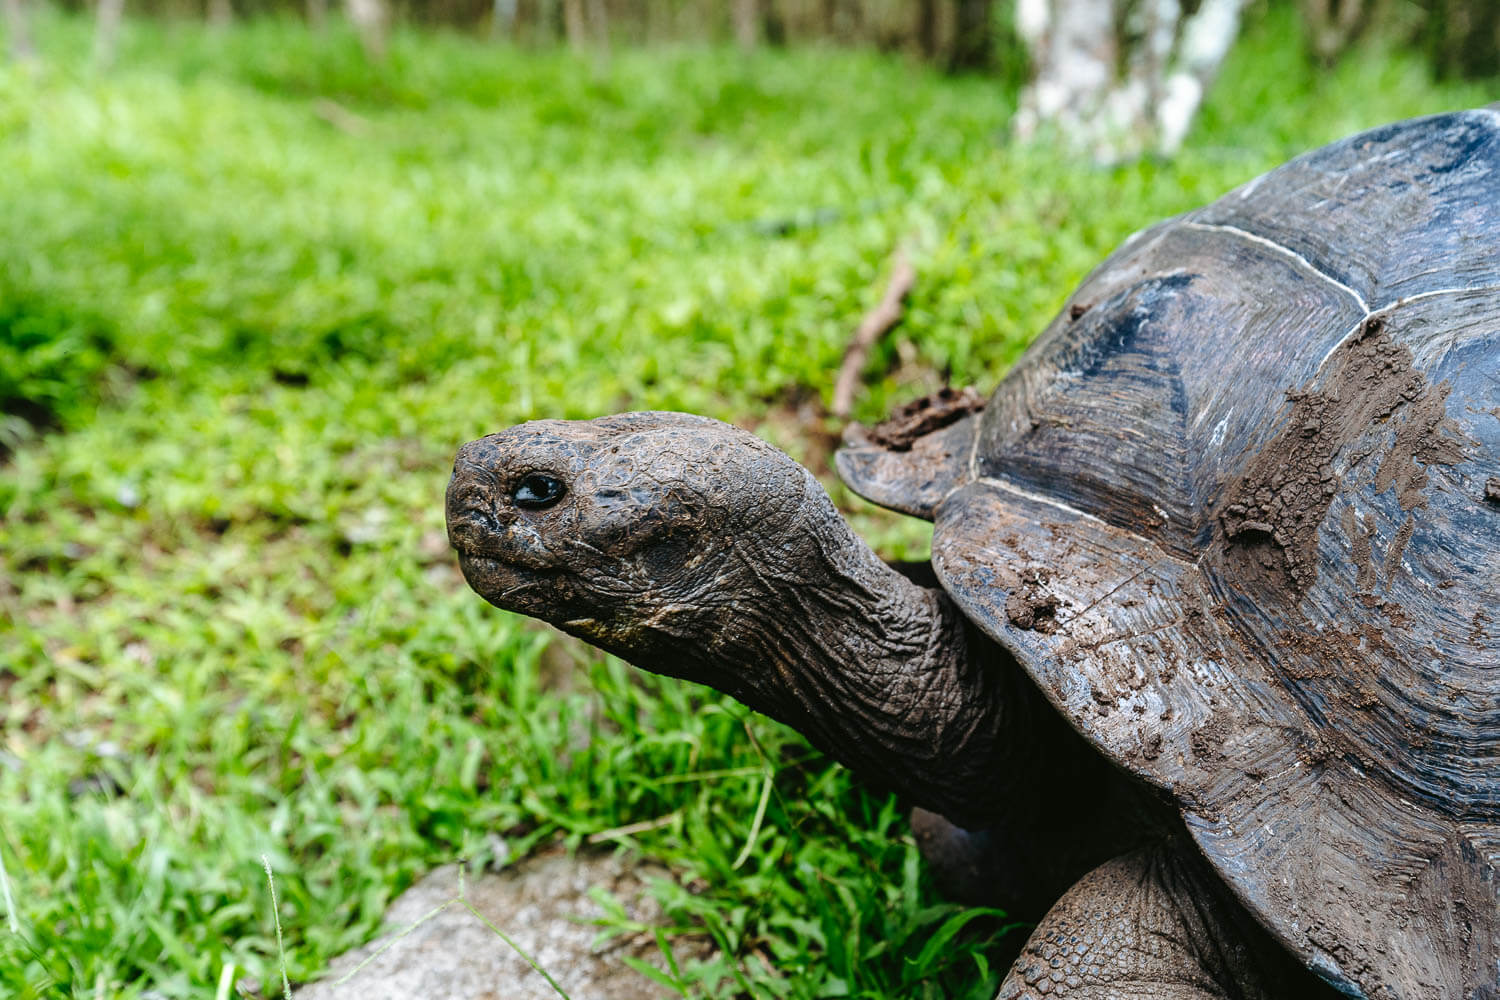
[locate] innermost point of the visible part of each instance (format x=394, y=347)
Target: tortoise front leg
x=1154, y=924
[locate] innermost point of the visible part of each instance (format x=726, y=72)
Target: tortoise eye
x=537, y=490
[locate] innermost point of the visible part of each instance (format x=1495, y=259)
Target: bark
x=107, y=31
x=21, y=47
x=927, y=28
x=574, y=26
x=1074, y=51
x=775, y=24
x=503, y=18
x=972, y=37
x=1120, y=86
x=1464, y=37
x=1206, y=38
x=599, y=23
x=1332, y=25
x=747, y=23
x=371, y=20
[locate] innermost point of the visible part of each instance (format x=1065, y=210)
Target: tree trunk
x=503, y=19
x=747, y=23
x=220, y=13
x=972, y=37
x=1204, y=42
x=927, y=28
x=1464, y=37
x=1333, y=24
x=599, y=23
x=317, y=14
x=1120, y=86
x=574, y=26
x=370, y=20
x=107, y=31
x=775, y=24
x=21, y=47
x=1074, y=52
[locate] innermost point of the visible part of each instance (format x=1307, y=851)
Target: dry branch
x=876, y=322
x=340, y=117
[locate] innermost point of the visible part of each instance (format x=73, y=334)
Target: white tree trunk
x=371, y=20
x=21, y=48
x=317, y=14
x=220, y=13
x=503, y=18
x=1119, y=89
x=107, y=31
x=1074, y=52
x=1206, y=38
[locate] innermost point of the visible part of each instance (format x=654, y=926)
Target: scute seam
x=1001, y=484
x=1395, y=304
x=1284, y=251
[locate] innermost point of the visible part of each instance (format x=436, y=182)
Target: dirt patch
x=1207, y=741
x=923, y=416
x=1030, y=607
x=1272, y=513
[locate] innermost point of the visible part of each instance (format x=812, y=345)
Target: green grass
x=259, y=326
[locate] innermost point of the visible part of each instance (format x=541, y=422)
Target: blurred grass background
x=254, y=291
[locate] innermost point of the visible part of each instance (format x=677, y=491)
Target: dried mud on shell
x=1272, y=513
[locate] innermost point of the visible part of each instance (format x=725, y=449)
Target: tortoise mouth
x=507, y=585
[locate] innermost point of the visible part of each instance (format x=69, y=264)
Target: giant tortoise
x=1205, y=670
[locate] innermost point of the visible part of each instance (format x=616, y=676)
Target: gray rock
x=542, y=904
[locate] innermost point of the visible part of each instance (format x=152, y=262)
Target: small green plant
x=51, y=361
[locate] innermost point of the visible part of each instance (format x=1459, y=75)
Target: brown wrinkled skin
x=693, y=549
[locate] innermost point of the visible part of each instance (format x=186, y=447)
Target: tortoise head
x=694, y=549
x=626, y=530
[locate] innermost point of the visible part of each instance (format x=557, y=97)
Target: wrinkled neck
x=877, y=671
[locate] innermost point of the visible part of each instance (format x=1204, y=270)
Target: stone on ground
x=542, y=904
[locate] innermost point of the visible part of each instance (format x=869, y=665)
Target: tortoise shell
x=1237, y=511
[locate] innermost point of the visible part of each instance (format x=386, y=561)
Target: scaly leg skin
x=1154, y=924
x=1022, y=866
x=1043, y=842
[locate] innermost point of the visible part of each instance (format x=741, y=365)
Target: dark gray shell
x=1238, y=512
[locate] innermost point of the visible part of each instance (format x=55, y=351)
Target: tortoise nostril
x=480, y=519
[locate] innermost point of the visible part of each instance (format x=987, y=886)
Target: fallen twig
x=340, y=117
x=886, y=314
